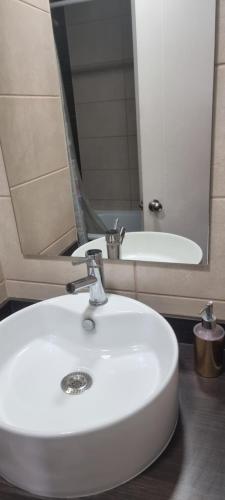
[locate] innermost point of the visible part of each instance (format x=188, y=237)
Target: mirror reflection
x=138, y=129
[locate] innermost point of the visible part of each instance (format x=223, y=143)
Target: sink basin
x=151, y=246
x=122, y=413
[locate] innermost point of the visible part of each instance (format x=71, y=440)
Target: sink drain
x=76, y=383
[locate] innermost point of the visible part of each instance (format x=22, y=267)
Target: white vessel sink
x=63, y=445
x=151, y=246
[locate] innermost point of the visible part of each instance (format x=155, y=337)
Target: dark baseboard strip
x=183, y=327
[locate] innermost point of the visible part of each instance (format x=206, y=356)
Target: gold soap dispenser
x=208, y=344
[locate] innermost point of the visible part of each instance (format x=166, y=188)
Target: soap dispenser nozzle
x=208, y=316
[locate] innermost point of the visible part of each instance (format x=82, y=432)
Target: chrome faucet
x=94, y=279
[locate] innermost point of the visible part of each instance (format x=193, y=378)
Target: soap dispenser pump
x=209, y=344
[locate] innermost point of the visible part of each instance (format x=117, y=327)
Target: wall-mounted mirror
x=137, y=88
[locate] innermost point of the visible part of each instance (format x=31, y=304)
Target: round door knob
x=155, y=206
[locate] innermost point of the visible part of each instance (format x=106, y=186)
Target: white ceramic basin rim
x=84, y=444
x=151, y=246
x=51, y=342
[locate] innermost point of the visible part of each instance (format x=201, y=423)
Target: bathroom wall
x=4, y=191
x=169, y=289
x=31, y=129
x=3, y=293
x=103, y=83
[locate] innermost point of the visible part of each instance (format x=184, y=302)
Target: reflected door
x=174, y=47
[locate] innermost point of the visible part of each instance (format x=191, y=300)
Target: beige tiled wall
x=3, y=293
x=31, y=129
x=169, y=289
x=103, y=81
x=4, y=191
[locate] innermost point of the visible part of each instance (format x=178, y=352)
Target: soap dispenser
x=209, y=344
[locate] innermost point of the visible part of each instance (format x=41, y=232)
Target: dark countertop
x=193, y=466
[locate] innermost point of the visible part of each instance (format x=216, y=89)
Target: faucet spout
x=76, y=286
x=94, y=279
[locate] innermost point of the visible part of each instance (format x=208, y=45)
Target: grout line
x=106, y=136
x=110, y=290
x=119, y=16
x=55, y=284
x=121, y=99
x=4, y=195
x=35, y=282
x=56, y=241
x=13, y=188
x=111, y=199
x=215, y=197
x=97, y=101
x=217, y=64
x=34, y=6
x=109, y=169
x=176, y=296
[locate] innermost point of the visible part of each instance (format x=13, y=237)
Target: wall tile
x=129, y=82
x=217, y=237
x=35, y=291
x=26, y=42
x=119, y=276
x=43, y=291
x=99, y=85
x=4, y=188
x=176, y=281
x=131, y=117
x=124, y=293
x=37, y=147
x=1, y=274
x=135, y=204
x=134, y=185
x=127, y=38
x=100, y=9
x=86, y=43
x=44, y=211
x=180, y=306
x=132, y=151
x=218, y=150
x=9, y=245
x=220, y=38
x=101, y=119
x=40, y=4
x=218, y=153
x=16, y=267
x=3, y=292
x=218, y=179
x=108, y=185
x=106, y=153
x=111, y=205
x=61, y=244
